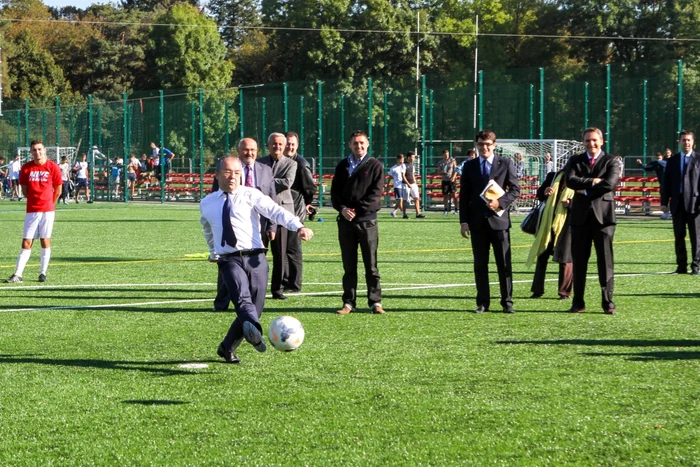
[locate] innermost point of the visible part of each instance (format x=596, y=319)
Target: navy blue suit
x=680, y=191
x=487, y=228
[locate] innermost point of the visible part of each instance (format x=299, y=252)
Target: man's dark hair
x=445, y=151
x=291, y=134
x=357, y=133
x=686, y=133
x=410, y=153
x=35, y=142
x=400, y=156
x=485, y=134
x=470, y=152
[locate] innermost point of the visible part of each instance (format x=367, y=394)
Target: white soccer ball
x=286, y=333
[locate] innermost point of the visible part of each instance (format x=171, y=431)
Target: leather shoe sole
x=575, y=309
x=227, y=355
x=253, y=337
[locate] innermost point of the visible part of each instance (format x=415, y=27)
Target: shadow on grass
x=153, y=402
x=97, y=295
x=652, y=355
x=147, y=367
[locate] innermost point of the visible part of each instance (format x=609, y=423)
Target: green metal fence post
x=161, y=137
x=541, y=103
x=481, y=100
x=19, y=128
x=585, y=104
x=320, y=142
x=645, y=103
x=370, y=103
x=263, y=127
x=43, y=125
x=126, y=147
x=430, y=128
x=386, y=129
x=99, y=127
x=301, y=124
x=680, y=98
x=193, y=132
x=227, y=143
x=240, y=112
x=285, y=87
x=342, y=125
x=422, y=139
x=201, y=143
x=26, y=122
x=58, y=124
x=91, y=151
x=71, y=123
x=531, y=111
x=608, y=83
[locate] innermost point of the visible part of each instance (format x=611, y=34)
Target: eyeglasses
x=485, y=144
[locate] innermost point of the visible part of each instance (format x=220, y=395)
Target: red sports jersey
x=41, y=182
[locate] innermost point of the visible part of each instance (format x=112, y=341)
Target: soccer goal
x=54, y=153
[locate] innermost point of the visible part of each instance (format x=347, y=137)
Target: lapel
x=497, y=166
x=599, y=162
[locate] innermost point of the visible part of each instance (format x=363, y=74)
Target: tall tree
x=188, y=53
x=235, y=18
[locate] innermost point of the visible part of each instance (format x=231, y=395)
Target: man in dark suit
x=255, y=175
x=303, y=190
x=593, y=175
x=681, y=186
x=356, y=193
x=481, y=220
x=284, y=172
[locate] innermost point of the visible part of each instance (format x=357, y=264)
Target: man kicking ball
x=41, y=184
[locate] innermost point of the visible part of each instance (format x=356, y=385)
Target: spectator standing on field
x=398, y=175
x=162, y=161
x=303, y=190
x=15, y=167
x=356, y=193
x=65, y=176
x=658, y=166
x=412, y=185
x=548, y=163
x=446, y=168
x=3, y=176
x=81, y=170
x=41, y=183
x=519, y=165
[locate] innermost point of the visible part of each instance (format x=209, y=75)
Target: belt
x=241, y=253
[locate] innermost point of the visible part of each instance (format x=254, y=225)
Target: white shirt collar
x=489, y=159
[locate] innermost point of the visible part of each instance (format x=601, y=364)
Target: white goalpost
x=54, y=153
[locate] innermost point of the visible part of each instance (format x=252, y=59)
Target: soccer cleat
x=42, y=277
x=253, y=337
x=393, y=213
x=14, y=279
x=420, y=216
x=89, y=201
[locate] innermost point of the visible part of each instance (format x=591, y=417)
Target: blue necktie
x=229, y=235
x=485, y=171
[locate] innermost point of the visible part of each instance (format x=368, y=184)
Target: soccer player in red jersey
x=41, y=184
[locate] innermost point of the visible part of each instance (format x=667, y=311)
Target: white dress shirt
x=247, y=205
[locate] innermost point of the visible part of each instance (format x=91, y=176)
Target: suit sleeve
x=512, y=188
x=573, y=179
x=284, y=179
x=607, y=183
x=546, y=184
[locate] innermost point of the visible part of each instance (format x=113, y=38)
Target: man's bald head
x=247, y=151
x=228, y=173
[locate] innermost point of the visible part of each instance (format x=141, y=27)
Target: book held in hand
x=491, y=192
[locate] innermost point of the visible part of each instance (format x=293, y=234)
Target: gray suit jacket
x=284, y=175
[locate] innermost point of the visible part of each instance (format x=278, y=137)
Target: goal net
x=531, y=159
x=54, y=153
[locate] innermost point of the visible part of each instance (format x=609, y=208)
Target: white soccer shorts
x=38, y=224
x=413, y=189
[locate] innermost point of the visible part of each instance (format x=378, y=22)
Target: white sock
x=22, y=261
x=44, y=260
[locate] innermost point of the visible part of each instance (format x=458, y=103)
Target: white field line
x=305, y=294
x=174, y=284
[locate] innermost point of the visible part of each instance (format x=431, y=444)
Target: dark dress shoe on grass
x=481, y=309
x=508, y=309
x=279, y=296
x=575, y=309
x=227, y=355
x=536, y=295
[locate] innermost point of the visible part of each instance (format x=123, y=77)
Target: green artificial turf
x=89, y=362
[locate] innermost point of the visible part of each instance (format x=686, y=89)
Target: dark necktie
x=228, y=236
x=249, y=176
x=592, y=161
x=484, y=171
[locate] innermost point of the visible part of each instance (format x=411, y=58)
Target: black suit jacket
x=472, y=208
x=599, y=199
x=673, y=181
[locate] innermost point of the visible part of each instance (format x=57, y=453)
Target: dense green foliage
x=89, y=370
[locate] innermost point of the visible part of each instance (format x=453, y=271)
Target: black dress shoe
x=279, y=296
x=536, y=295
x=227, y=355
x=695, y=272
x=508, y=309
x=575, y=309
x=680, y=271
x=481, y=309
